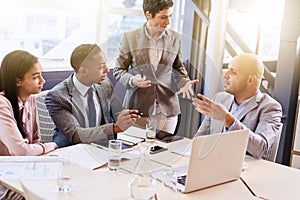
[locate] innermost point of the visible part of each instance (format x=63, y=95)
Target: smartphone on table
x=157, y=149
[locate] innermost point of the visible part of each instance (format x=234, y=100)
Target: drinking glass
x=150, y=131
x=64, y=179
x=114, y=154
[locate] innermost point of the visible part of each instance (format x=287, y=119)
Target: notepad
x=87, y=156
x=37, y=167
x=130, y=139
x=184, y=150
x=136, y=132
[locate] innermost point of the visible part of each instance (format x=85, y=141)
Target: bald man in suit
x=242, y=106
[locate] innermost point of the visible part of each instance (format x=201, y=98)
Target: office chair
x=46, y=125
x=271, y=153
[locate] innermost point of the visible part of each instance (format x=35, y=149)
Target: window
x=47, y=31
x=124, y=15
x=51, y=29
x=259, y=26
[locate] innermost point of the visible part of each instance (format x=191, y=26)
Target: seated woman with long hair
x=20, y=78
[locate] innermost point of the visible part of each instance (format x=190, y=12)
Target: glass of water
x=114, y=154
x=150, y=131
x=64, y=179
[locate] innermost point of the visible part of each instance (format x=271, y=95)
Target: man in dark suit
x=151, y=69
x=242, y=106
x=70, y=108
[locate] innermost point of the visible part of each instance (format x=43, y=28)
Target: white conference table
x=260, y=180
x=268, y=180
x=104, y=184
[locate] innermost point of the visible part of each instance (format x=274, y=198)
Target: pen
x=97, y=145
x=142, y=73
x=137, y=113
x=128, y=143
x=143, y=139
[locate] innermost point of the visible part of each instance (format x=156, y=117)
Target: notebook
x=126, y=146
x=215, y=159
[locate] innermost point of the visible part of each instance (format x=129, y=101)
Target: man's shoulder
x=105, y=86
x=106, y=83
x=133, y=32
x=60, y=88
x=267, y=99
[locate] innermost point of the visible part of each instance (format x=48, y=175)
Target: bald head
x=243, y=77
x=249, y=64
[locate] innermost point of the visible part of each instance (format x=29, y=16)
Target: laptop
x=215, y=159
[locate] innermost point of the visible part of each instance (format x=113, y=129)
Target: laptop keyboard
x=181, y=179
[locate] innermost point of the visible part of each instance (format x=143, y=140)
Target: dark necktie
x=92, y=109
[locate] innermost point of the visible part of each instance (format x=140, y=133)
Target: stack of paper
x=136, y=132
x=85, y=155
x=130, y=140
x=184, y=150
x=33, y=167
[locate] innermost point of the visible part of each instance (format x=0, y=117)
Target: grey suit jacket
x=170, y=71
x=262, y=116
x=66, y=109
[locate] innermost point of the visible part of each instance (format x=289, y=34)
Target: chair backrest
x=44, y=120
x=271, y=154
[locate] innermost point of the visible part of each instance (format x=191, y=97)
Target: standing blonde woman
x=20, y=78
